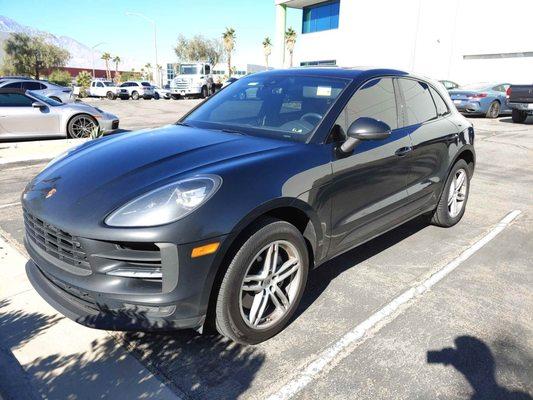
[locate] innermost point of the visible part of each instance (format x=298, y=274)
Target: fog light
x=204, y=250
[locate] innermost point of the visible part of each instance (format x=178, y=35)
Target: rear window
x=419, y=104
x=145, y=84
x=442, y=108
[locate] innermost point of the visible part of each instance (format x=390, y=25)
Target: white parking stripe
x=9, y=205
x=340, y=350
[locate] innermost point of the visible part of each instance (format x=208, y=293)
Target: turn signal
x=204, y=250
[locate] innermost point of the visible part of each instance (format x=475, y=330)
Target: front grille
x=181, y=86
x=54, y=241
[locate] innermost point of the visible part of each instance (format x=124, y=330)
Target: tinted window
x=14, y=100
x=419, y=103
x=33, y=86
x=280, y=106
x=207, y=69
x=146, y=84
x=321, y=17
x=100, y=84
x=375, y=99
x=12, y=85
x=442, y=108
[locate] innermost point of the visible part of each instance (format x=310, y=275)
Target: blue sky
x=94, y=21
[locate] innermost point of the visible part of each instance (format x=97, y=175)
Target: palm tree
x=116, y=60
x=290, y=41
x=106, y=57
x=148, y=68
x=267, y=49
x=228, y=37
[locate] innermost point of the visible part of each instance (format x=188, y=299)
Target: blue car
x=486, y=99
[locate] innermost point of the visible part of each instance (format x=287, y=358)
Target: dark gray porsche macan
x=217, y=220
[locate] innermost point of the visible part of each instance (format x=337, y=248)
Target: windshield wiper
x=229, y=130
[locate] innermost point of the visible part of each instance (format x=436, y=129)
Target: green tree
x=290, y=41
x=84, y=80
x=198, y=48
x=148, y=71
x=29, y=55
x=116, y=60
x=60, y=77
x=106, y=57
x=267, y=49
x=228, y=38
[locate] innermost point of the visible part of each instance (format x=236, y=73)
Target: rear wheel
x=156, y=96
x=110, y=95
x=494, y=110
x=81, y=126
x=519, y=116
x=263, y=284
x=135, y=95
x=452, y=203
x=204, y=92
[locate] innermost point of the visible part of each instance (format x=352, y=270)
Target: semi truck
x=192, y=81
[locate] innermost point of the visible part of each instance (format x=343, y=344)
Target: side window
x=14, y=100
x=13, y=85
x=442, y=108
x=100, y=84
x=31, y=86
x=418, y=101
x=375, y=99
x=207, y=69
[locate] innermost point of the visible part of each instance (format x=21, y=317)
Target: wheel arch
x=77, y=115
x=467, y=154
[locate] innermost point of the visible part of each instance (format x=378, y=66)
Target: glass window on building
x=321, y=17
x=321, y=63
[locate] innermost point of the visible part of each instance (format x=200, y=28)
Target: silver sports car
x=27, y=114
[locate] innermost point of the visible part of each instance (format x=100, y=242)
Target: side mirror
x=365, y=128
x=38, y=104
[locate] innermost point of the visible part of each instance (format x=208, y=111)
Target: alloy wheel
x=270, y=284
x=82, y=127
x=457, y=193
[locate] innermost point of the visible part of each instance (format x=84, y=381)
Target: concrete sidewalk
x=60, y=358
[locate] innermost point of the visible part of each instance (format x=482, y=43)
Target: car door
x=368, y=187
x=18, y=117
x=100, y=89
x=426, y=120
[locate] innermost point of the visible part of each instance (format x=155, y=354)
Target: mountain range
x=80, y=54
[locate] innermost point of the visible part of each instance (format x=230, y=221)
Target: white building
x=459, y=40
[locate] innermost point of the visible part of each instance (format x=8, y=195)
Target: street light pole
x=92, y=54
x=155, y=69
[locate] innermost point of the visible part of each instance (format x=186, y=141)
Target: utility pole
x=156, y=74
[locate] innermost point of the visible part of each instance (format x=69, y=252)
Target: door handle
x=403, y=151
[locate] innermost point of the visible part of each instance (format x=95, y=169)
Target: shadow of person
x=475, y=361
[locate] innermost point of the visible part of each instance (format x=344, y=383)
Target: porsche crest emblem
x=50, y=193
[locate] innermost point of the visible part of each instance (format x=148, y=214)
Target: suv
x=101, y=88
x=55, y=92
x=136, y=90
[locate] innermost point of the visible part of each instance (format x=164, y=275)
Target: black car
x=217, y=220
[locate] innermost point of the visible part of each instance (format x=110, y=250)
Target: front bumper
x=468, y=107
x=109, y=122
x=186, y=91
x=91, y=296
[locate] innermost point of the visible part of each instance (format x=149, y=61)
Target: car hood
x=103, y=174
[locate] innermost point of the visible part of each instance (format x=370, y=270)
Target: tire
x=135, y=95
x=444, y=214
x=56, y=99
x=204, y=93
x=175, y=96
x=110, y=96
x=234, y=302
x=494, y=110
x=74, y=128
x=156, y=96
x=519, y=116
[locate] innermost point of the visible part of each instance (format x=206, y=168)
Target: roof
x=335, y=72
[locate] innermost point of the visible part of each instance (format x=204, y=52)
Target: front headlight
x=166, y=204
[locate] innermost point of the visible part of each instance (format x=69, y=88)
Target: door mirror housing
x=365, y=128
x=38, y=104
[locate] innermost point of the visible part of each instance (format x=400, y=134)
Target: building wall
x=429, y=37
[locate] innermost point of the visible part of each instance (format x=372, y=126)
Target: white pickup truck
x=192, y=80
x=101, y=88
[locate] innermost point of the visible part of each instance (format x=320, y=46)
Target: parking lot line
x=9, y=205
x=345, y=345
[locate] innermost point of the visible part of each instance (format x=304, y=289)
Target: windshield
x=44, y=99
x=109, y=83
x=476, y=86
x=288, y=107
x=190, y=69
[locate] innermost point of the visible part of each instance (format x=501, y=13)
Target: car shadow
x=509, y=120
x=320, y=278
x=474, y=359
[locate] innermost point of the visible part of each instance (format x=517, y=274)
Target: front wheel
x=204, y=93
x=110, y=96
x=519, y=116
x=157, y=96
x=494, y=110
x=452, y=203
x=263, y=284
x=135, y=95
x=81, y=126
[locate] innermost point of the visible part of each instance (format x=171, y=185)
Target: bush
x=60, y=77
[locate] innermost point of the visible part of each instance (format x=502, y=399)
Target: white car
x=136, y=90
x=101, y=88
x=162, y=93
x=55, y=92
x=28, y=114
